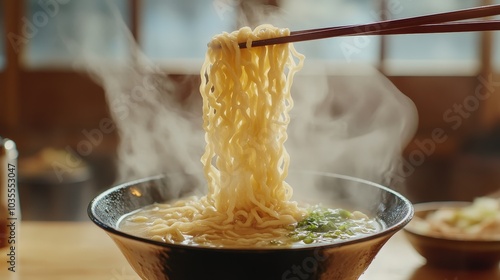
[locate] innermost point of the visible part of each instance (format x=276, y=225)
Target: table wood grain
x=80, y=250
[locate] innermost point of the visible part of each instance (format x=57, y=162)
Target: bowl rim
x=386, y=232
x=433, y=206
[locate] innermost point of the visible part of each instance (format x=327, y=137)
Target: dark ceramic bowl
x=344, y=260
x=448, y=252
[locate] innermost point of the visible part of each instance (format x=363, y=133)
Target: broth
x=320, y=226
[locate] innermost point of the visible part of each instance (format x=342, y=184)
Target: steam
x=356, y=125
x=159, y=129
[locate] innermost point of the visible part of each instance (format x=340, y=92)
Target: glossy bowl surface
x=344, y=260
x=448, y=252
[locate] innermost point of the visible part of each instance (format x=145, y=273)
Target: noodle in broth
x=246, y=101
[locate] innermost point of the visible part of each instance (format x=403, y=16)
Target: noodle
x=246, y=100
x=478, y=221
x=246, y=104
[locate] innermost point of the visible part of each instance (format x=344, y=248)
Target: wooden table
x=80, y=250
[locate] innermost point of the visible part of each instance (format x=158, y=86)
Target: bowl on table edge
x=344, y=260
x=449, y=252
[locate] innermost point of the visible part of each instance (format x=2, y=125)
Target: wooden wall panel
x=60, y=100
x=438, y=100
x=54, y=108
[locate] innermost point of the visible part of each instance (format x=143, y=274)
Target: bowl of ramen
x=363, y=216
x=254, y=218
x=455, y=234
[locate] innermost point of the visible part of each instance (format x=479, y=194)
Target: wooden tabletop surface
x=80, y=250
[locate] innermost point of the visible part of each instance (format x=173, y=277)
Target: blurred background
x=59, y=118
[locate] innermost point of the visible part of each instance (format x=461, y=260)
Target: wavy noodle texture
x=246, y=100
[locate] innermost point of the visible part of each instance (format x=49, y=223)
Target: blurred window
x=173, y=29
x=57, y=31
x=496, y=46
x=2, y=38
x=496, y=53
x=446, y=53
x=299, y=14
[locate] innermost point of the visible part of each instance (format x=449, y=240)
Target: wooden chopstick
x=464, y=26
x=451, y=27
x=427, y=22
